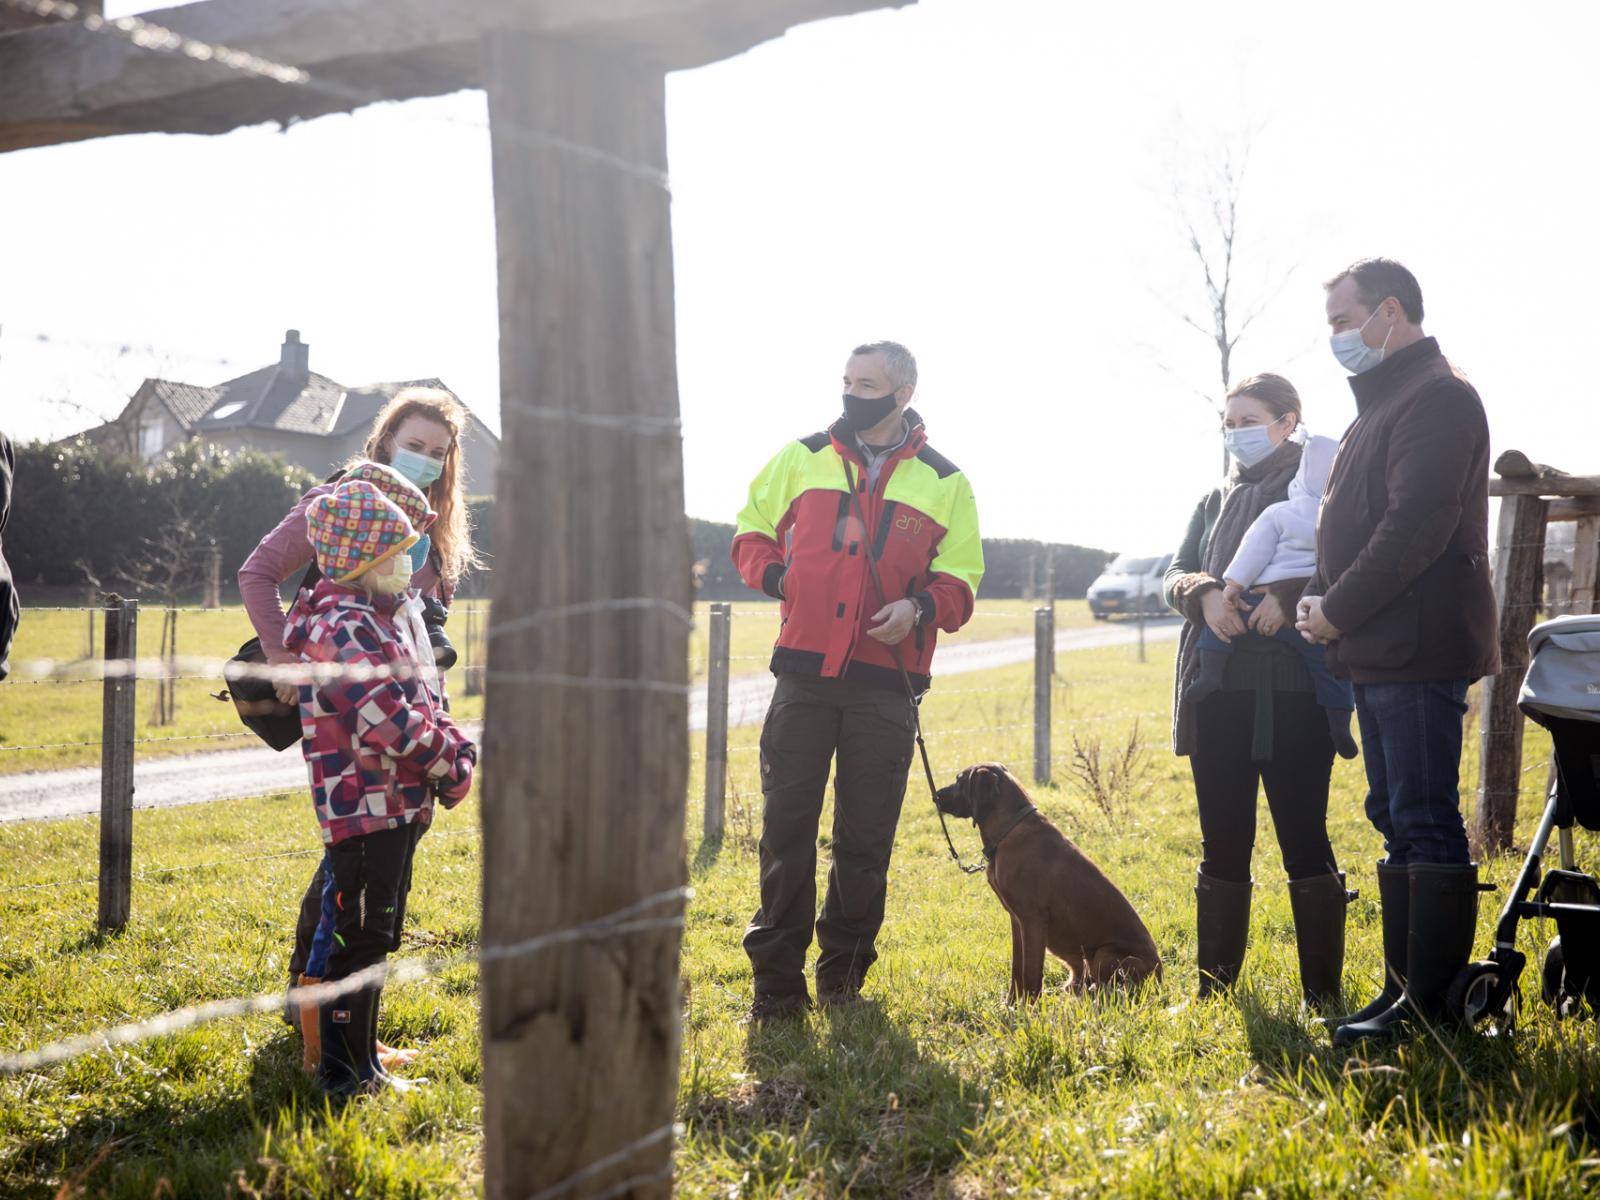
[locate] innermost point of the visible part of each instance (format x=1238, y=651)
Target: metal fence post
x=116, y=763
x=717, y=717
x=1044, y=640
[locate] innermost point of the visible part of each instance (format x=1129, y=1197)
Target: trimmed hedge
x=80, y=509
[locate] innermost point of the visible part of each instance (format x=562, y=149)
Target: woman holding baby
x=1254, y=706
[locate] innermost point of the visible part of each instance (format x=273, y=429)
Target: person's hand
x=1221, y=615
x=1232, y=589
x=1268, y=617
x=895, y=619
x=1313, y=626
x=454, y=790
x=288, y=693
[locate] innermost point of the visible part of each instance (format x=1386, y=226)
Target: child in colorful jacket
x=379, y=749
x=409, y=499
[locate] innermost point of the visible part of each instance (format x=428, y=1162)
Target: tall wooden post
x=1044, y=640
x=717, y=670
x=1518, y=552
x=116, y=765
x=583, y=813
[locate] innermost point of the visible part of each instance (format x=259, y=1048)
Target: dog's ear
x=985, y=787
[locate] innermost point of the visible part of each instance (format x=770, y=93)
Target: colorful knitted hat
x=354, y=528
x=399, y=491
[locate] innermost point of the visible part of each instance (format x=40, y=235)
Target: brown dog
x=1058, y=900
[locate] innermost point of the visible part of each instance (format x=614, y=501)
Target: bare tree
x=1210, y=215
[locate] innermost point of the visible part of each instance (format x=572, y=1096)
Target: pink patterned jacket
x=377, y=749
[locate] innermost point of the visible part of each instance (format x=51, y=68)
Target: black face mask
x=862, y=414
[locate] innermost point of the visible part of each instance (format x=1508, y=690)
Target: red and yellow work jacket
x=800, y=540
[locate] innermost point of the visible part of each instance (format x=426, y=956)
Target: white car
x=1128, y=580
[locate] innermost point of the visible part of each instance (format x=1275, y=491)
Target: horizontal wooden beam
x=67, y=83
x=1549, y=485
x=1574, y=508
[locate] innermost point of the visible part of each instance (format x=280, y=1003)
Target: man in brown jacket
x=1403, y=596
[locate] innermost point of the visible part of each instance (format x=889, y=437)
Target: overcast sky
x=990, y=182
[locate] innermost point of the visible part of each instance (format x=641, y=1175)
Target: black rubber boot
x=1444, y=918
x=348, y=1064
x=1221, y=928
x=1394, y=900
x=1319, y=904
x=1213, y=667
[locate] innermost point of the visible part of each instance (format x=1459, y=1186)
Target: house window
x=151, y=438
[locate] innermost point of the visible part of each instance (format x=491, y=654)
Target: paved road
x=230, y=774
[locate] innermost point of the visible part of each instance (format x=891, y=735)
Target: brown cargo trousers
x=813, y=721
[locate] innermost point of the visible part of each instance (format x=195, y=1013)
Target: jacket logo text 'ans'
x=911, y=523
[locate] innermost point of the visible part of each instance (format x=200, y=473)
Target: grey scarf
x=1247, y=492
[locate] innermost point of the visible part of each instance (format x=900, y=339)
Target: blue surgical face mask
x=1352, y=351
x=418, y=468
x=419, y=553
x=1249, y=444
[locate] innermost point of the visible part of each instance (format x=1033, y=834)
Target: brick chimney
x=294, y=359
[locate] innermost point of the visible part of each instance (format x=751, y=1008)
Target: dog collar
x=991, y=848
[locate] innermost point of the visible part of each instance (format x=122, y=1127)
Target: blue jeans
x=1411, y=743
x=322, y=940
x=1331, y=692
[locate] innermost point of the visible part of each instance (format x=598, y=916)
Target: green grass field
x=938, y=1089
x=63, y=716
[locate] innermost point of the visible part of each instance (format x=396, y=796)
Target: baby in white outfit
x=1281, y=544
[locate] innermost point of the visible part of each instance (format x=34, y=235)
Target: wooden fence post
x=1044, y=640
x=1586, y=566
x=1519, y=550
x=587, y=708
x=213, y=576
x=1140, y=610
x=116, y=764
x=717, y=717
x=471, y=668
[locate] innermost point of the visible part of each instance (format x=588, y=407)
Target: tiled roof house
x=286, y=409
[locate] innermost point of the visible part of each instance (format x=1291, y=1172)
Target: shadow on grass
x=846, y=1101
x=706, y=856
x=170, y=1140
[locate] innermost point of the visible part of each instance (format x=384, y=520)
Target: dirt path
x=234, y=774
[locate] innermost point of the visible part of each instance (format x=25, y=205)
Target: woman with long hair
x=1260, y=728
x=418, y=433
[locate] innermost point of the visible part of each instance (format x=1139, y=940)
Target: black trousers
x=305, y=926
x=372, y=877
x=866, y=733
x=1226, y=782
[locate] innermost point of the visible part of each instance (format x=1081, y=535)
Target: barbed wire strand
x=619, y=923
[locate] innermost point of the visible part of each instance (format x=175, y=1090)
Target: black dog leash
x=905, y=677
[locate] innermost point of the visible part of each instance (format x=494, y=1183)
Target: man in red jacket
x=869, y=486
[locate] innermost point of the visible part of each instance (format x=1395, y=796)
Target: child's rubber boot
x=310, y=1029
x=347, y=1066
x=382, y=1075
x=1213, y=666
x=1339, y=731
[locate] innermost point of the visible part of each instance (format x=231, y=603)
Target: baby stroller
x=1562, y=693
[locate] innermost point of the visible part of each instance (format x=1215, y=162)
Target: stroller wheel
x=1484, y=996
x=1552, y=988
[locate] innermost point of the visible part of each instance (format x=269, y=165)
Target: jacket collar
x=1374, y=386
x=844, y=439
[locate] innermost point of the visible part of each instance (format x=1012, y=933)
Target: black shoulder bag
x=256, y=699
